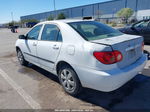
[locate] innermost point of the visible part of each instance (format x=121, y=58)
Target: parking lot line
x=20, y=91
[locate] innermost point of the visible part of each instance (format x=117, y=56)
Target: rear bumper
x=109, y=80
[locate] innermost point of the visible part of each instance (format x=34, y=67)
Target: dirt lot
x=34, y=88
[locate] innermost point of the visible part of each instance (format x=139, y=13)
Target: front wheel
x=69, y=80
x=21, y=59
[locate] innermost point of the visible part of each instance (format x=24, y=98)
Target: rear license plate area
x=131, y=53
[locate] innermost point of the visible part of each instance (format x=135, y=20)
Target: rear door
x=49, y=46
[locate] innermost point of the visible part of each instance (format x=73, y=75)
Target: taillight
x=109, y=57
x=143, y=46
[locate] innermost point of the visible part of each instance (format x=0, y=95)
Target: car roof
x=64, y=21
x=144, y=20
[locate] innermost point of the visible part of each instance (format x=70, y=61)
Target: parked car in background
x=30, y=24
x=83, y=54
x=141, y=28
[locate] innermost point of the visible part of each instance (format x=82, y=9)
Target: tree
x=11, y=23
x=29, y=20
x=61, y=16
x=50, y=18
x=125, y=14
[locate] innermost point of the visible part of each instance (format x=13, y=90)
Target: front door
x=49, y=46
x=30, y=45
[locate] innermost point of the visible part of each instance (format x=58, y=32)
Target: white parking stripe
x=23, y=94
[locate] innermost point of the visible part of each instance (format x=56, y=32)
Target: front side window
x=51, y=33
x=34, y=33
x=92, y=30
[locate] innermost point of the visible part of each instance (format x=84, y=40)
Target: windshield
x=92, y=30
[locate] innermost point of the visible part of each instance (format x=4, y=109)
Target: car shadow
x=44, y=72
x=122, y=99
x=133, y=96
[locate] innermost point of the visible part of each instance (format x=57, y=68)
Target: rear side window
x=92, y=30
x=51, y=33
x=34, y=33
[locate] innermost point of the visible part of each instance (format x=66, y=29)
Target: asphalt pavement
x=34, y=88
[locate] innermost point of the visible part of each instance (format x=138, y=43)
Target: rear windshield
x=92, y=30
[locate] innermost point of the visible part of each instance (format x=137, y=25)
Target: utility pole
x=12, y=16
x=54, y=9
x=125, y=3
x=136, y=10
x=114, y=11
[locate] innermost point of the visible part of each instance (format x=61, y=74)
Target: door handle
x=34, y=44
x=55, y=47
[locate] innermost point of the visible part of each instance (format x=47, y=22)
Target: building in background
x=104, y=10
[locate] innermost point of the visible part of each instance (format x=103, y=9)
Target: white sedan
x=83, y=54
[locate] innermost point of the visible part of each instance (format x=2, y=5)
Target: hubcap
x=67, y=80
x=20, y=57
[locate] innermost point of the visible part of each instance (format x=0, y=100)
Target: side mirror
x=22, y=37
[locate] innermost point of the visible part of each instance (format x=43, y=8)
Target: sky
x=19, y=8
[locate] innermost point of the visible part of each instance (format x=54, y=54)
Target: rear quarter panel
x=78, y=52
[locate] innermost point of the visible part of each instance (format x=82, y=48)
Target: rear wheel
x=69, y=80
x=21, y=59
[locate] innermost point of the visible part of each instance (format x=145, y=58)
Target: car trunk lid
x=129, y=45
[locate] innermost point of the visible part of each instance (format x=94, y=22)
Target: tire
x=21, y=59
x=69, y=80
